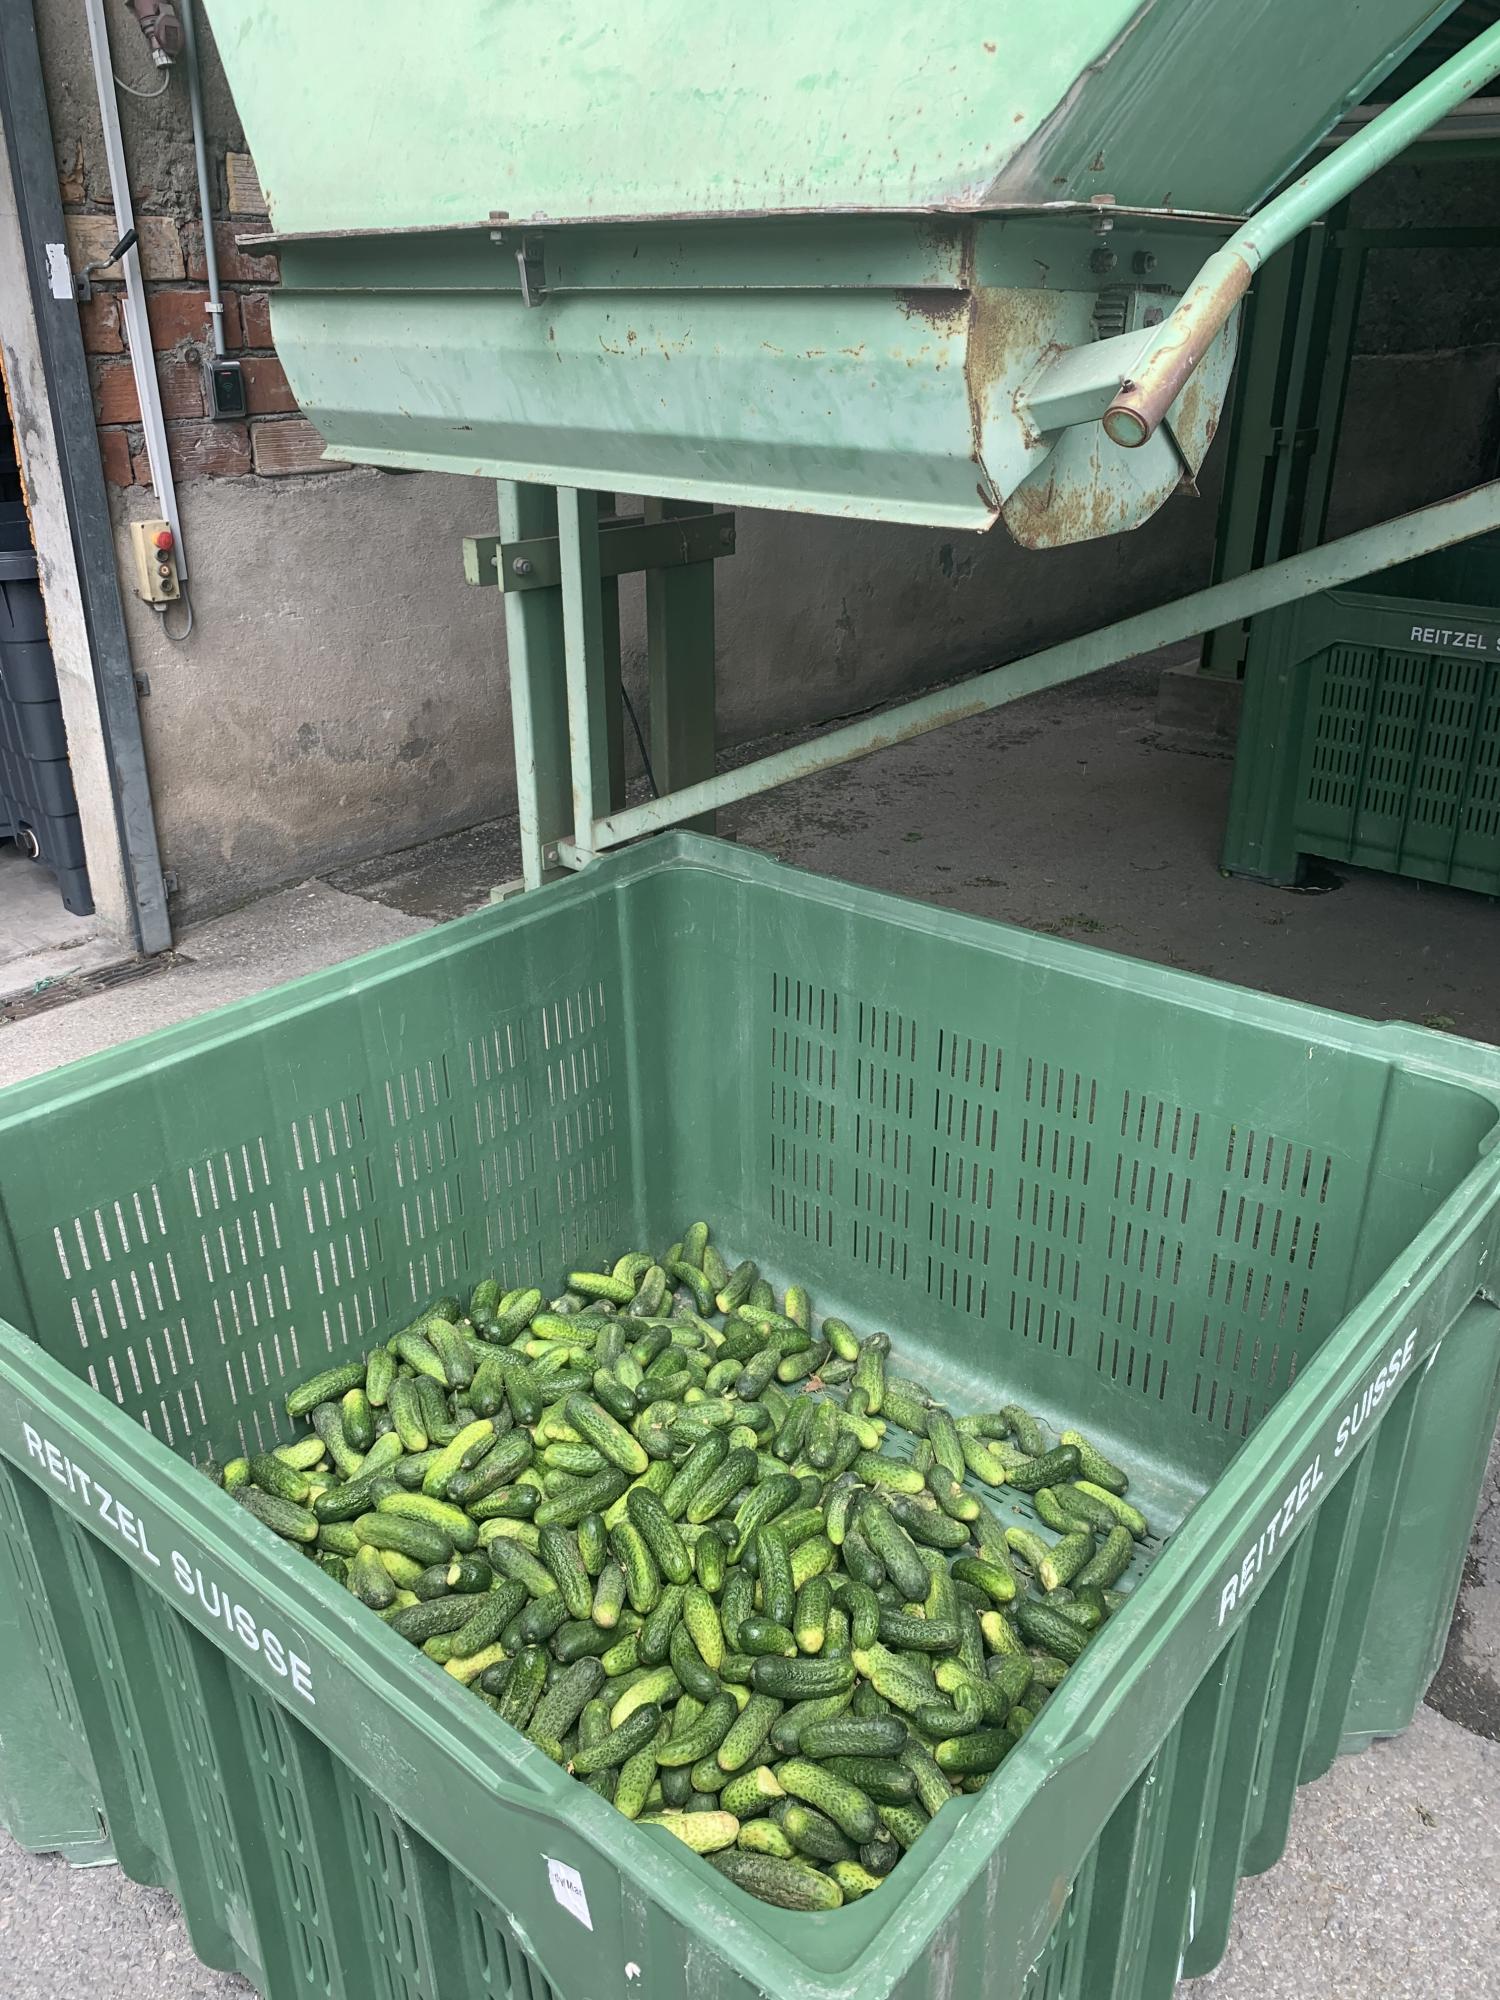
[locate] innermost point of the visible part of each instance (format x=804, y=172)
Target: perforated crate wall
x=1051, y=1208
x=1402, y=766
x=298, y=1220
x=1370, y=733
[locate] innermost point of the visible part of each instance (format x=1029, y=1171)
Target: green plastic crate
x=1239, y=1240
x=1371, y=728
x=50, y=1799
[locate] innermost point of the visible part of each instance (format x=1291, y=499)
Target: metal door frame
x=89, y=556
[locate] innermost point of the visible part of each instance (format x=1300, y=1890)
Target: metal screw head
x=1102, y=259
x=1143, y=263
x=522, y=566
x=1153, y=316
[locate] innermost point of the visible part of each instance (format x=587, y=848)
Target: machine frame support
x=538, y=693
x=1438, y=526
x=557, y=560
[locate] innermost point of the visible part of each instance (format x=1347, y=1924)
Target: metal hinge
x=530, y=259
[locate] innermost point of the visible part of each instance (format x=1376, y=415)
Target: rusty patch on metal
x=1006, y=329
x=1073, y=498
x=939, y=239
x=943, y=310
x=1087, y=487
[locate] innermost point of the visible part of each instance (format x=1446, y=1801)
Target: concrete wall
x=343, y=692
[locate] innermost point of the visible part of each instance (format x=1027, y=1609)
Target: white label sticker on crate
x=567, y=1887
x=211, y=1593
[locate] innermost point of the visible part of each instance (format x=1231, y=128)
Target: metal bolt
x=1153, y=316
x=522, y=566
x=1143, y=263
x=1102, y=259
x=726, y=536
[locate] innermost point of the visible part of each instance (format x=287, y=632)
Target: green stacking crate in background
x=1371, y=728
x=1243, y=1243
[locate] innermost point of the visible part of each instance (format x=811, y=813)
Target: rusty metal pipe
x=1187, y=334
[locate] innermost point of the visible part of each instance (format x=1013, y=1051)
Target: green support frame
x=680, y=654
x=567, y=672
x=557, y=561
x=538, y=694
x=1296, y=352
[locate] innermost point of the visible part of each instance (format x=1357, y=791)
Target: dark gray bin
x=38, y=805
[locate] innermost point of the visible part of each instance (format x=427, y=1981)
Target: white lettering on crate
x=1374, y=1394
x=567, y=1887
x=1443, y=635
x=1238, y=1584
x=96, y=1497
x=214, y=1598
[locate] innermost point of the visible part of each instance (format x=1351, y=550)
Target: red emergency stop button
x=162, y=538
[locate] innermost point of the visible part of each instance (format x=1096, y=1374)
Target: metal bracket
x=625, y=545
x=530, y=260
x=532, y=269
x=1077, y=385
x=82, y=285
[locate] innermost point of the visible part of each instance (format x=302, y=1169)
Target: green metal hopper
x=818, y=258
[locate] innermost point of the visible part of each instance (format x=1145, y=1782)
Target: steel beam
x=538, y=700
x=1448, y=521
x=690, y=534
x=585, y=655
x=680, y=655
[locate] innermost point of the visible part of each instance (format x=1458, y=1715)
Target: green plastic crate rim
x=857, y=1088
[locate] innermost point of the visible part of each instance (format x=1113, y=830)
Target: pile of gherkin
x=716, y=1558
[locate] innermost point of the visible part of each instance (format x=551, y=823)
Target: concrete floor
x=1062, y=814
x=39, y=940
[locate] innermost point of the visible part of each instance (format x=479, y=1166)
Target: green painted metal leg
x=592, y=678
x=680, y=649
x=1288, y=407
x=614, y=707
x=1258, y=837
x=538, y=695
x=1346, y=286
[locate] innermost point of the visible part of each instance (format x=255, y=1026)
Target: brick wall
x=272, y=441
